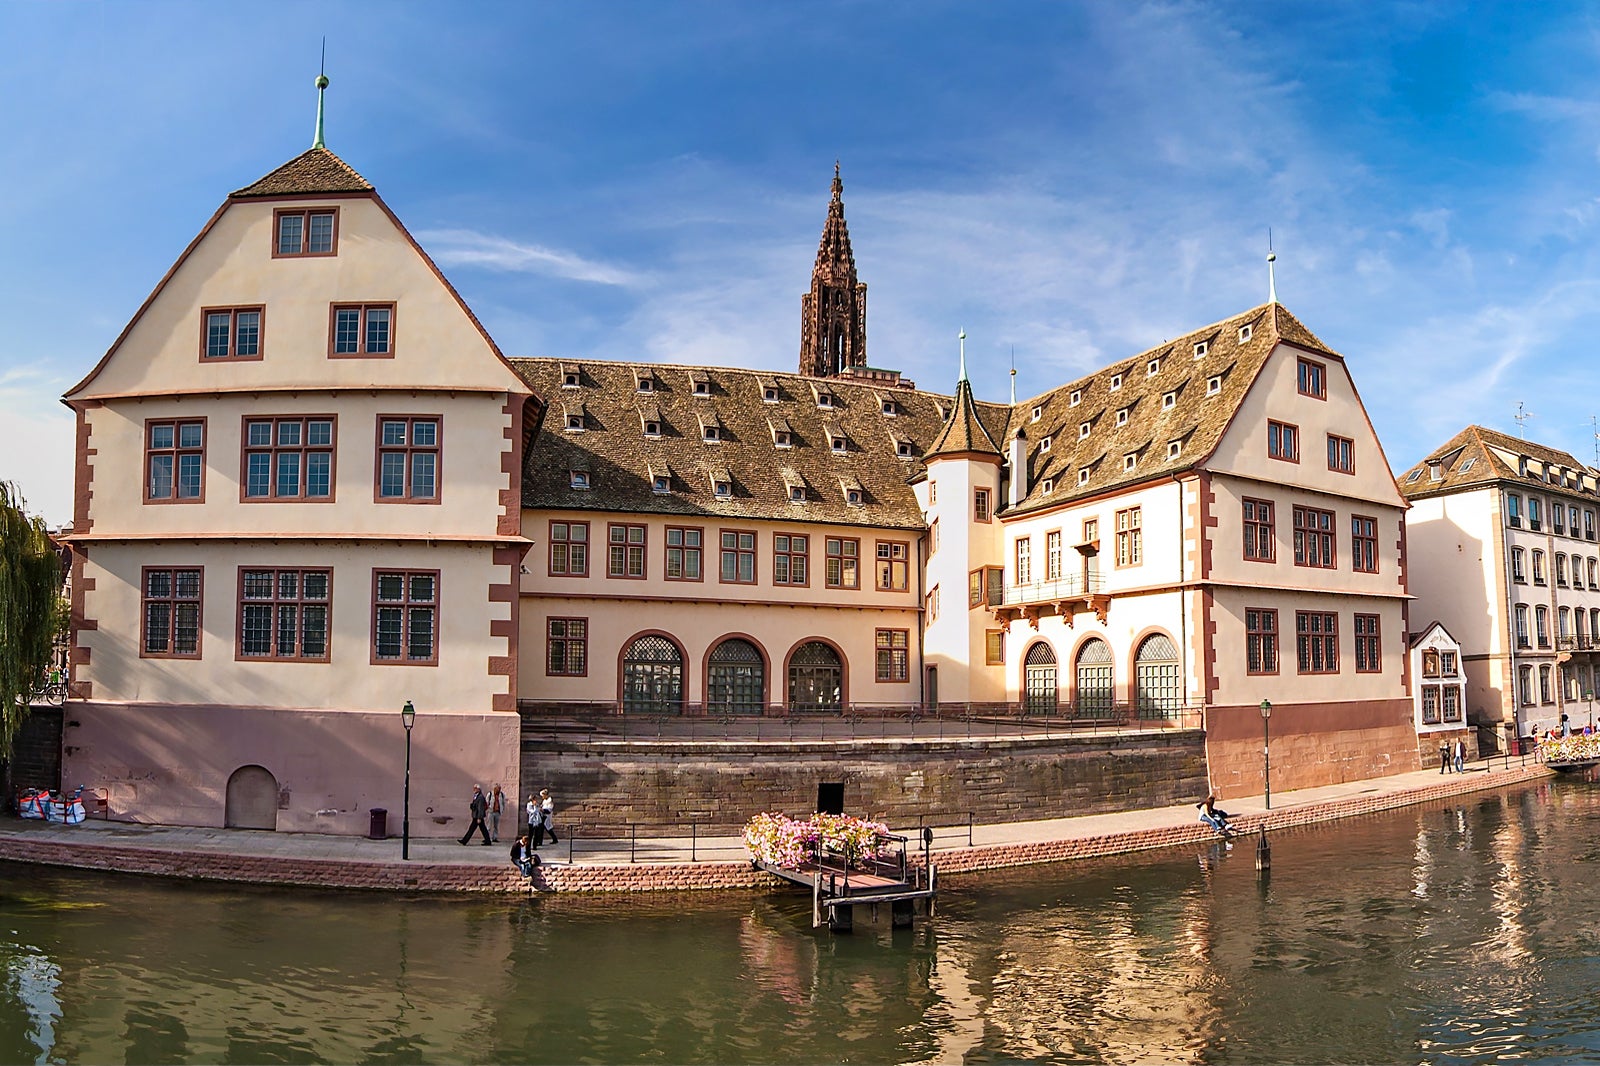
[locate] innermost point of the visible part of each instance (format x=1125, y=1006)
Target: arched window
x=1157, y=691
x=816, y=678
x=1094, y=681
x=652, y=677
x=1040, y=687
x=736, y=679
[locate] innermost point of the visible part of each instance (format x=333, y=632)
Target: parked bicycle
x=54, y=691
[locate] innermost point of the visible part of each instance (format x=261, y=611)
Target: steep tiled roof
x=963, y=431
x=312, y=172
x=1182, y=393
x=1479, y=456
x=747, y=410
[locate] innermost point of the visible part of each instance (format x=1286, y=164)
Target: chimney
x=1019, y=469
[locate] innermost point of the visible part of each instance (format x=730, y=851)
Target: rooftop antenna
x=1594, y=424
x=1522, y=417
x=962, y=337
x=322, y=85
x=1272, y=281
x=1014, y=385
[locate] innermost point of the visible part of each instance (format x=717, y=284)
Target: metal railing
x=1046, y=591
x=612, y=720
x=657, y=842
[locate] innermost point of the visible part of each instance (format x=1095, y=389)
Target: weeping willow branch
x=30, y=611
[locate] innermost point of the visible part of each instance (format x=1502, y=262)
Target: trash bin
x=1516, y=745
x=378, y=829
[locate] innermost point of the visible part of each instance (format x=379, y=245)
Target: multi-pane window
x=1258, y=531
x=1452, y=703
x=1052, y=556
x=362, y=329
x=1430, y=704
x=994, y=647
x=893, y=655
x=1311, y=379
x=1538, y=567
x=171, y=612
x=1024, y=560
x=1545, y=692
x=408, y=459
x=232, y=333
x=790, y=559
x=980, y=505
x=283, y=614
x=1313, y=537
x=1283, y=441
x=567, y=652
x=1558, y=520
x=1541, y=625
x=1535, y=507
x=569, y=549
x=1363, y=544
x=1520, y=614
x=893, y=575
x=1561, y=570
x=306, y=232
x=405, y=616
x=1261, y=640
x=1130, y=536
x=843, y=563
x=288, y=458
x=1588, y=525
x=1317, y=641
x=1341, y=454
x=1447, y=664
x=738, y=557
x=1572, y=521
x=684, y=553
x=175, y=460
x=1369, y=652
x=1513, y=510
x=1594, y=573
x=1525, y=684
x=1519, y=571
x=626, y=551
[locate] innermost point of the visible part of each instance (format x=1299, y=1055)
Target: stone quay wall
x=722, y=784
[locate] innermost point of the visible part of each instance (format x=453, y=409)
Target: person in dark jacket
x=522, y=856
x=479, y=807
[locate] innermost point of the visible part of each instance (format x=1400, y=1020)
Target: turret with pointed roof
x=964, y=432
x=833, y=315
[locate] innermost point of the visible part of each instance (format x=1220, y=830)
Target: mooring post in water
x=1263, y=852
x=816, y=900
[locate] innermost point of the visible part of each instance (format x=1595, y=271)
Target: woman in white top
x=547, y=811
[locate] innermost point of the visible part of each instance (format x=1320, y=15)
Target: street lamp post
x=1266, y=750
x=408, y=718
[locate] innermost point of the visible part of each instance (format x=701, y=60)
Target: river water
x=1454, y=932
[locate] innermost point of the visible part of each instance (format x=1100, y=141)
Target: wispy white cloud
x=469, y=248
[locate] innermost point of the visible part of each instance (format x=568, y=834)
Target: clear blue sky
x=1072, y=181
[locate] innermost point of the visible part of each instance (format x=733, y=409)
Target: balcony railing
x=1581, y=642
x=1047, y=591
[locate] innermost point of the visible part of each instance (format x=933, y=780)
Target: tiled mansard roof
x=312, y=172
x=882, y=453
x=1477, y=457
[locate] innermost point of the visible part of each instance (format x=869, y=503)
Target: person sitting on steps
x=1215, y=816
x=523, y=857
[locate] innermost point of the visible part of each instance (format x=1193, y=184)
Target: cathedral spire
x=833, y=315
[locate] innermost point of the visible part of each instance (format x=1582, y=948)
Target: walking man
x=1461, y=756
x=479, y=807
x=497, y=803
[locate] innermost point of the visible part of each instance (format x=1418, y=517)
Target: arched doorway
x=652, y=677
x=736, y=678
x=1095, y=694
x=1040, y=686
x=816, y=678
x=1158, y=693
x=252, y=801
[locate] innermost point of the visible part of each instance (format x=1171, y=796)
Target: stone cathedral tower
x=833, y=315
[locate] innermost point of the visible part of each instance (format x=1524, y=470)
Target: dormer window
x=839, y=444
x=1122, y=416
x=652, y=428
x=1435, y=470
x=570, y=379
x=722, y=490
x=661, y=484
x=1047, y=486
x=574, y=422
x=1174, y=448
x=1466, y=465
x=1152, y=368
x=702, y=387
x=1213, y=384
x=769, y=394
x=824, y=400
x=1038, y=413
x=578, y=479
x=1414, y=476
x=1076, y=397
x=1083, y=430
x=1116, y=382
x=853, y=497
x=710, y=432
x=888, y=408
x=1244, y=334
x=1044, y=446
x=1130, y=460
x=1083, y=477
x=904, y=450
x=797, y=494
x=646, y=384
x=782, y=438
x=1169, y=400
x=1201, y=348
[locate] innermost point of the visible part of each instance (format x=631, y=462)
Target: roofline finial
x=962, y=337
x=322, y=85
x=1272, y=281
x=1013, y=375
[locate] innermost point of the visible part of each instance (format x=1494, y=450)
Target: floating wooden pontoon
x=839, y=884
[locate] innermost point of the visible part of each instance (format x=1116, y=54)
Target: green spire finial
x=322, y=85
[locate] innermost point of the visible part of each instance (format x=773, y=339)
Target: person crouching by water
x=522, y=856
x=1215, y=816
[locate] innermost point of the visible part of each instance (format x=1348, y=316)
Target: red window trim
x=364, y=306
x=1376, y=636
x=305, y=231
x=644, y=552
x=841, y=557
x=1295, y=458
x=988, y=507
x=906, y=559
x=1355, y=553
x=566, y=640
x=754, y=553
x=905, y=650
x=1320, y=636
x=1351, y=469
x=244, y=458
x=1332, y=534
x=806, y=555
x=200, y=618
x=438, y=463
x=1277, y=642
x=233, y=334
x=175, y=451
x=241, y=603
x=666, y=546
x=1322, y=375
x=1271, y=525
x=588, y=549
x=405, y=628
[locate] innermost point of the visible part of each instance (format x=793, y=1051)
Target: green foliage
x=31, y=613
